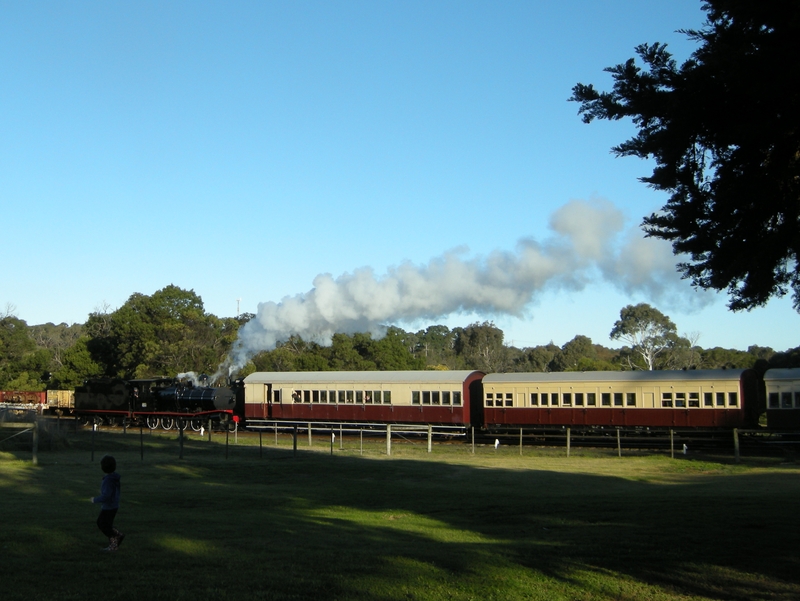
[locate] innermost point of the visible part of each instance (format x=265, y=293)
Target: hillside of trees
x=170, y=332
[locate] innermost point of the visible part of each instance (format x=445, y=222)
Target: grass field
x=447, y=525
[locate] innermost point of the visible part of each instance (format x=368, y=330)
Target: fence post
x=569, y=440
x=520, y=442
x=310, y=442
x=430, y=438
x=388, y=439
x=473, y=440
x=35, y=439
x=736, y=444
x=260, y=446
x=141, y=441
x=180, y=437
x=672, y=444
x=619, y=445
x=294, y=440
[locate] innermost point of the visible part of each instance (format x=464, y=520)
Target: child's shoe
x=112, y=544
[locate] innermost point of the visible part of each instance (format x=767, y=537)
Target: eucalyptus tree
x=647, y=331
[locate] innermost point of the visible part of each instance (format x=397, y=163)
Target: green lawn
x=447, y=525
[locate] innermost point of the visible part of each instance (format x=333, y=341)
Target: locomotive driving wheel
x=167, y=423
x=152, y=422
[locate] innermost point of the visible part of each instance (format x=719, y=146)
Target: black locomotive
x=158, y=401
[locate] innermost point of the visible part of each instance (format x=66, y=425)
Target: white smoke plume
x=195, y=378
x=587, y=245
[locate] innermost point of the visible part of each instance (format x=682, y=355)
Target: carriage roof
x=361, y=377
x=614, y=376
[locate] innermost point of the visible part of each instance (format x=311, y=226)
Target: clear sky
x=409, y=150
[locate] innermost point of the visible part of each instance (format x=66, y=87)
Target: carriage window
x=276, y=396
x=774, y=400
x=630, y=399
x=296, y=397
x=720, y=399
x=331, y=396
x=315, y=396
x=426, y=397
x=680, y=399
x=708, y=399
x=457, y=398
x=694, y=399
x=415, y=397
x=436, y=398
x=579, y=399
x=367, y=397
x=348, y=394
x=445, y=397
x=545, y=396
x=605, y=399
x=567, y=399
x=509, y=399
x=591, y=399
x=341, y=396
x=617, y=399
x=797, y=399
x=786, y=400
x=534, y=399
x=306, y=396
x=359, y=397
x=666, y=399
x=387, y=397
x=489, y=399
x=733, y=399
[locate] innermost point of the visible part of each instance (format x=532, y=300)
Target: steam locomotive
x=158, y=402
x=658, y=399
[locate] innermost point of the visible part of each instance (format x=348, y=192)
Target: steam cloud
x=589, y=243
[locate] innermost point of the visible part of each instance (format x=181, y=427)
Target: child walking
x=109, y=497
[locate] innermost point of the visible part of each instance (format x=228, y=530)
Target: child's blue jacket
x=109, y=492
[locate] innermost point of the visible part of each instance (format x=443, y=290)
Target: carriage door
x=268, y=397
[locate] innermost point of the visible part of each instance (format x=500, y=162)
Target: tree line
x=169, y=332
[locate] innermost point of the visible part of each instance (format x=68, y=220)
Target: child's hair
x=108, y=464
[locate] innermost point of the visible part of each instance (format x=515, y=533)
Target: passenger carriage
x=668, y=399
x=430, y=397
x=783, y=398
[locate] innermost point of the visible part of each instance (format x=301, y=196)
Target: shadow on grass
x=342, y=527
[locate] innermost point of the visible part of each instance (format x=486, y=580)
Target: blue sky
x=242, y=149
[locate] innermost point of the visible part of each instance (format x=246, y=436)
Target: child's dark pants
x=106, y=522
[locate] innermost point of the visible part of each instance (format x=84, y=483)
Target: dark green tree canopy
x=163, y=334
x=481, y=346
x=724, y=130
